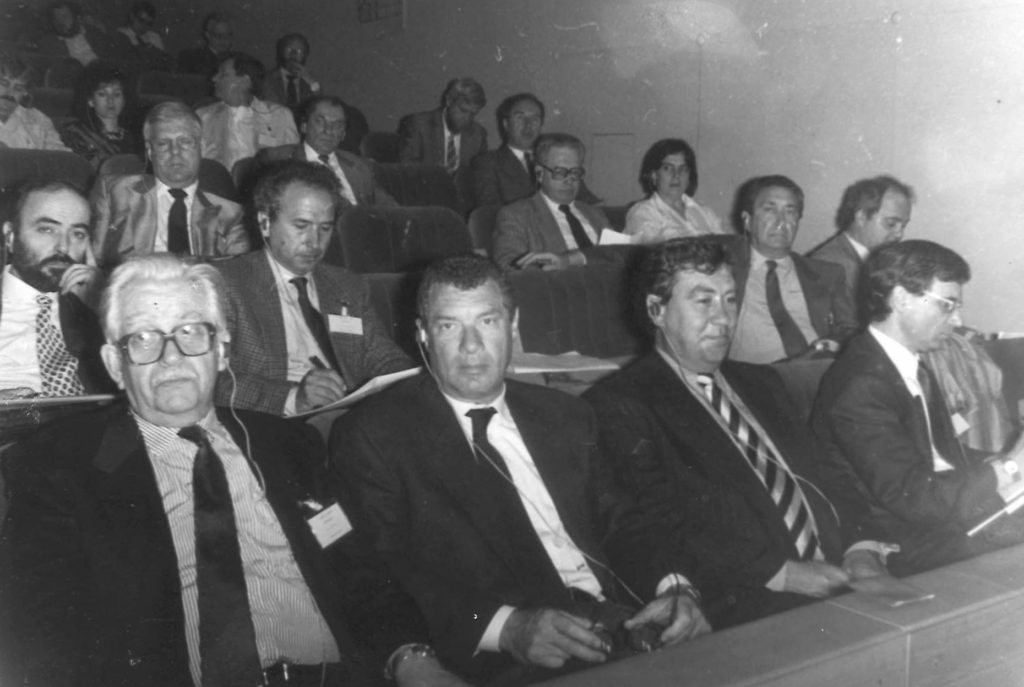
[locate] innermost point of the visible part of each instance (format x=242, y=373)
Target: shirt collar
x=554, y=206
x=312, y=154
x=905, y=360
x=164, y=189
x=688, y=377
x=150, y=431
x=462, y=407
x=282, y=274
x=757, y=260
x=15, y=289
x=861, y=249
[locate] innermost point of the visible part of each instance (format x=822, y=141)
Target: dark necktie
x=782, y=487
x=315, y=322
x=579, y=234
x=528, y=161
x=793, y=339
x=58, y=369
x=228, y=655
x=177, y=223
x=293, y=90
x=944, y=443
x=326, y=159
x=451, y=156
x=484, y=452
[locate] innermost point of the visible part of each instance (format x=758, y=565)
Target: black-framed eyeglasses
x=147, y=346
x=562, y=173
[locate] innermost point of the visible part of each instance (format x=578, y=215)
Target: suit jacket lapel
x=142, y=219
x=205, y=228
x=266, y=308
x=819, y=305
x=545, y=227
x=346, y=346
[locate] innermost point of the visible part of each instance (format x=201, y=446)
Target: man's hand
x=318, y=388
x=543, y=261
x=83, y=279
x=676, y=611
x=862, y=563
x=814, y=578
x=549, y=638
x=426, y=671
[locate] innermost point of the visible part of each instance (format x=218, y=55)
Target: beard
x=44, y=275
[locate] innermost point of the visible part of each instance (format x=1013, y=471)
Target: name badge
x=329, y=525
x=960, y=425
x=345, y=324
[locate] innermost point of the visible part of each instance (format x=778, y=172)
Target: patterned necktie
x=793, y=339
x=293, y=90
x=57, y=367
x=783, y=488
x=227, y=639
x=177, y=223
x=315, y=322
x=579, y=234
x=451, y=156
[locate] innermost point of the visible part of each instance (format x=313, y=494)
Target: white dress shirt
x=563, y=223
x=448, y=135
x=27, y=127
x=757, y=339
x=164, y=200
x=299, y=340
x=289, y=626
x=19, y=359
x=335, y=166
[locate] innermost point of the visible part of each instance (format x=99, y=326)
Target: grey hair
x=171, y=111
x=161, y=268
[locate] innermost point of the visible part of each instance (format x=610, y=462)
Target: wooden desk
x=970, y=634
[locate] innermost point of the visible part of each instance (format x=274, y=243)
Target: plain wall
x=825, y=91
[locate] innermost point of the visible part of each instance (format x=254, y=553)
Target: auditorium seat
x=55, y=103
x=481, y=228
x=19, y=164
x=212, y=175
x=396, y=239
x=418, y=185
x=63, y=73
x=166, y=85
x=122, y=164
x=380, y=146
x=616, y=215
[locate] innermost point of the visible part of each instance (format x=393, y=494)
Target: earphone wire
x=245, y=431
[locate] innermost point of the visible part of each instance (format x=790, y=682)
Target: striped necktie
x=781, y=485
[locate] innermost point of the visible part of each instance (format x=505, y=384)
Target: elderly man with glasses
x=163, y=541
x=550, y=230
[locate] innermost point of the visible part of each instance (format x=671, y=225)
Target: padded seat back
x=418, y=185
x=18, y=165
x=55, y=103
x=380, y=146
x=122, y=165
x=187, y=87
x=481, y=227
x=396, y=239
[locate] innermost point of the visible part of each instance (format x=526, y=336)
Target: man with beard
x=49, y=337
x=22, y=126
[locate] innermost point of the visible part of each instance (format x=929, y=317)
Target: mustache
x=59, y=260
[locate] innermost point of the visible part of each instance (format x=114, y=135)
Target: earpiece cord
x=245, y=432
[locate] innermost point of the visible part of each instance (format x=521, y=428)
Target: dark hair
x=306, y=107
x=213, y=18
x=13, y=67
x=142, y=7
x=545, y=142
x=656, y=155
x=93, y=77
x=246, y=65
x=37, y=185
x=912, y=264
x=662, y=264
x=504, y=110
x=464, y=272
x=466, y=89
x=52, y=8
x=867, y=195
x=285, y=40
x=276, y=177
x=747, y=194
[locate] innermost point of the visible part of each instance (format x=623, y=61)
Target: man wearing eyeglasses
x=891, y=441
x=168, y=210
x=550, y=230
x=164, y=541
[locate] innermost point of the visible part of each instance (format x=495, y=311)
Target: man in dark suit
x=74, y=37
x=490, y=502
x=505, y=175
x=165, y=542
x=551, y=229
x=322, y=125
x=49, y=335
x=304, y=333
x=217, y=40
x=450, y=136
x=789, y=305
x=891, y=440
x=167, y=211
x=872, y=213
x=763, y=535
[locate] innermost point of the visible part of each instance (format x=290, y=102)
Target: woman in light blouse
x=668, y=174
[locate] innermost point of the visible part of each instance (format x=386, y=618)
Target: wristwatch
x=1012, y=470
x=404, y=653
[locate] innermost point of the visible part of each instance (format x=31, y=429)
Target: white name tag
x=345, y=324
x=329, y=525
x=960, y=425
